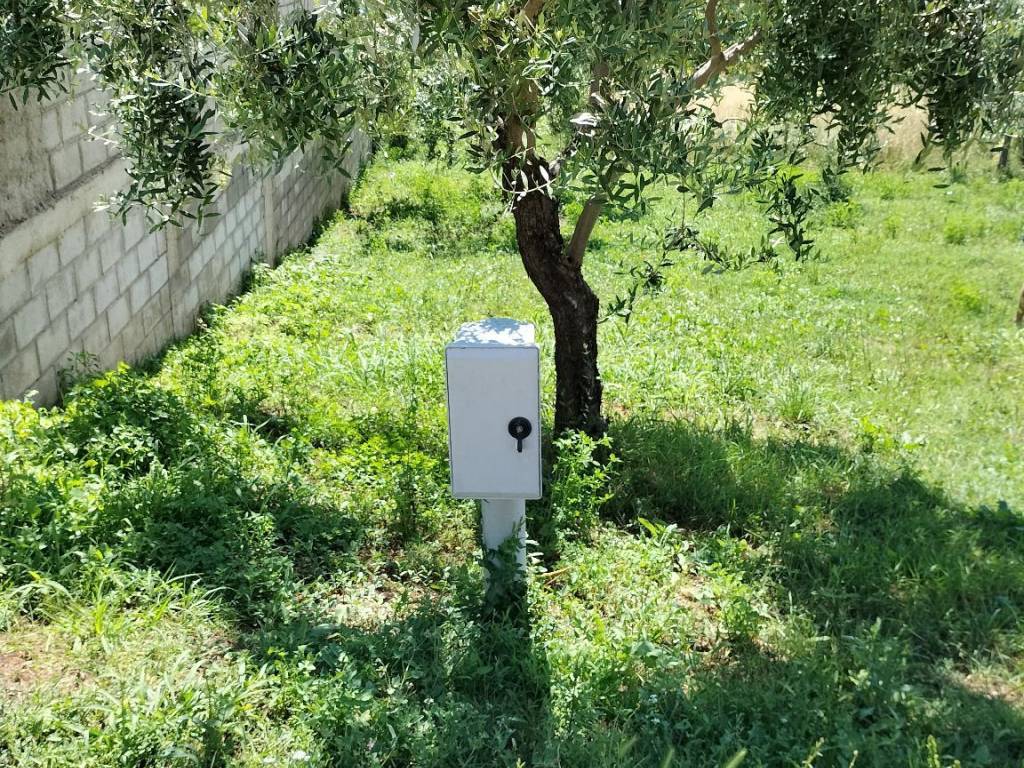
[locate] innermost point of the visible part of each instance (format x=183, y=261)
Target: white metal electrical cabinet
x=493, y=377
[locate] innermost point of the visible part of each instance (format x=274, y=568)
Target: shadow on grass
x=147, y=479
x=907, y=591
x=903, y=592
x=854, y=539
x=452, y=682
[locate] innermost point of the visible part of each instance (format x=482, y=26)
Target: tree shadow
x=857, y=538
x=903, y=592
x=452, y=680
x=202, y=499
x=906, y=589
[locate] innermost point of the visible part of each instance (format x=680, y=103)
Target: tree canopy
x=601, y=100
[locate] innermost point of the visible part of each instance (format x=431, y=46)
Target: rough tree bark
x=1003, y=164
x=556, y=269
x=558, y=276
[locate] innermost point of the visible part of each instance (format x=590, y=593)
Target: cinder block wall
x=76, y=280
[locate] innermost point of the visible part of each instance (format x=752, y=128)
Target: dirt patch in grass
x=992, y=687
x=32, y=660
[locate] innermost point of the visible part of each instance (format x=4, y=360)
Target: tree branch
x=711, y=17
x=718, y=64
x=592, y=210
x=532, y=10
x=584, y=229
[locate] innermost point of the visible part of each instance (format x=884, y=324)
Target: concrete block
x=8, y=345
x=211, y=221
x=133, y=339
x=134, y=229
x=97, y=225
x=106, y=290
x=112, y=354
x=20, y=372
x=16, y=147
x=179, y=276
x=72, y=243
x=53, y=343
x=81, y=314
x=14, y=291
x=96, y=337
x=66, y=165
x=96, y=100
x=164, y=296
x=118, y=315
x=74, y=118
x=148, y=249
x=60, y=292
x=42, y=265
x=151, y=315
x=127, y=270
x=87, y=270
x=111, y=248
x=94, y=153
x=195, y=264
x=158, y=274
x=45, y=387
x=139, y=293
x=233, y=192
x=192, y=298
x=30, y=320
x=49, y=129
x=187, y=239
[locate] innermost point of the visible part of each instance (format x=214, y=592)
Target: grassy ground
x=809, y=549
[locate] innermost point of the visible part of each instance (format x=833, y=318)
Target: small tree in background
x=600, y=100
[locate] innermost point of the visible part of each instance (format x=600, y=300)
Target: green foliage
x=435, y=212
x=280, y=79
x=577, y=489
x=645, y=279
x=834, y=188
x=808, y=551
x=788, y=208
x=967, y=297
x=722, y=258
x=958, y=229
x=440, y=97
x=154, y=66
x=611, y=98
x=809, y=69
x=845, y=215
x=33, y=36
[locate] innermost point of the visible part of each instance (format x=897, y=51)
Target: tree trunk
x=1004, y=154
x=573, y=305
x=1020, y=308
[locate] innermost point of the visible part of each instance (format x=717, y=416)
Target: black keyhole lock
x=520, y=429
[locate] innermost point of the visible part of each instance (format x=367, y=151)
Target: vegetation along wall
x=73, y=279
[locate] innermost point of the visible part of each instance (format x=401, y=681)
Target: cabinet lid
x=495, y=332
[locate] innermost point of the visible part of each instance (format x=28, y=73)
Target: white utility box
x=493, y=375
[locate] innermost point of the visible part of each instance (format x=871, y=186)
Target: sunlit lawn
x=809, y=549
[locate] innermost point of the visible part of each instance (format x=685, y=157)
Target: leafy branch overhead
x=610, y=91
x=556, y=99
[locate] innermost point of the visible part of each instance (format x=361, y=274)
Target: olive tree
x=602, y=101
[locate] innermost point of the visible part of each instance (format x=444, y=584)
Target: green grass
x=807, y=550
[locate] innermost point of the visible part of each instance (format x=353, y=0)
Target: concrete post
x=500, y=520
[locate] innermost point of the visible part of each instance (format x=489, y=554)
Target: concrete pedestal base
x=502, y=519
